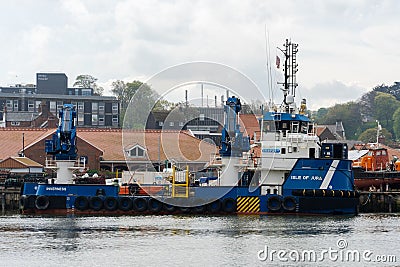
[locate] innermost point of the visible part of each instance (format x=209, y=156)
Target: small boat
x=287, y=172
x=374, y=171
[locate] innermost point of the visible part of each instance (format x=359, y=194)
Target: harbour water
x=200, y=241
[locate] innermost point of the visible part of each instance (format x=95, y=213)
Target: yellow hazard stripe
x=248, y=204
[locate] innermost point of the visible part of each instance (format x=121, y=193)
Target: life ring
x=289, y=203
x=154, y=205
x=96, y=203
x=214, y=206
x=42, y=202
x=274, y=203
x=125, y=203
x=110, y=203
x=229, y=205
x=140, y=204
x=81, y=203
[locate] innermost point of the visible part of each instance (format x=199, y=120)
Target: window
x=76, y=91
x=53, y=107
x=101, y=107
x=95, y=119
x=15, y=123
x=115, y=119
x=86, y=91
x=201, y=117
x=137, y=151
x=95, y=106
x=9, y=104
x=59, y=105
x=15, y=105
x=181, y=123
x=80, y=106
x=114, y=108
x=81, y=119
x=31, y=106
x=101, y=119
x=171, y=124
x=37, y=104
x=161, y=123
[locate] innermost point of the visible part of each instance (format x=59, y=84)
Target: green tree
x=348, y=113
x=88, y=81
x=320, y=114
x=385, y=106
x=396, y=123
x=369, y=136
x=137, y=100
x=163, y=104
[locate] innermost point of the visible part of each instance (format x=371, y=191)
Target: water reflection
x=65, y=234
x=205, y=240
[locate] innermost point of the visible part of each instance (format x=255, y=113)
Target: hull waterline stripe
x=328, y=177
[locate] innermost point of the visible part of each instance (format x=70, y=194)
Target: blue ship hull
x=314, y=186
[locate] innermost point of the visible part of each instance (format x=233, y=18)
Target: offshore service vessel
x=294, y=172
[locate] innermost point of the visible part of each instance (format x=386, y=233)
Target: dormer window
x=137, y=152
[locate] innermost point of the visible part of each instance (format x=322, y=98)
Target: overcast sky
x=346, y=47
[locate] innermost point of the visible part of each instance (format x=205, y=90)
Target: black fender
x=274, y=203
x=229, y=205
x=140, y=204
x=289, y=203
x=81, y=203
x=125, y=203
x=96, y=203
x=42, y=202
x=110, y=203
x=154, y=205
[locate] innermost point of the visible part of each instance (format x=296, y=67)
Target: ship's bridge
x=286, y=123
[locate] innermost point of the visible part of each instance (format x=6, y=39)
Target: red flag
x=278, y=62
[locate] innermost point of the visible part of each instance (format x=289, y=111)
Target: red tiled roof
x=11, y=139
x=319, y=130
x=249, y=124
x=177, y=145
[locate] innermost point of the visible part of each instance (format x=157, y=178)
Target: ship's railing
x=180, y=182
x=51, y=163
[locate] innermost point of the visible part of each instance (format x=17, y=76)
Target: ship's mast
x=290, y=69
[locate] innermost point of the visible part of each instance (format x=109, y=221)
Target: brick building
x=21, y=105
x=111, y=149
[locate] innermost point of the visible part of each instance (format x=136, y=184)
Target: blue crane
x=63, y=143
x=233, y=144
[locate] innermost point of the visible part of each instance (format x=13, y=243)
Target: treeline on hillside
x=360, y=117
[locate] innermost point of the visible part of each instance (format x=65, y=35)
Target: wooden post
x=3, y=202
